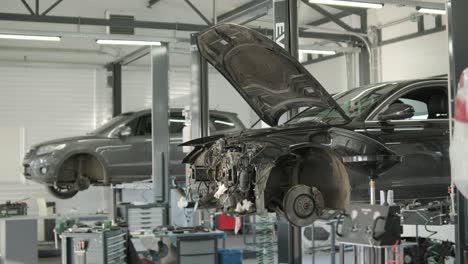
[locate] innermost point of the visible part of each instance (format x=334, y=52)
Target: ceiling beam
x=134, y=55
x=157, y=25
x=329, y=15
x=323, y=58
x=252, y=6
x=27, y=7
x=99, y=22
x=51, y=7
x=199, y=13
x=413, y=35
x=325, y=20
x=351, y=10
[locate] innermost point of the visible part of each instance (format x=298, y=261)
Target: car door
x=143, y=146
x=126, y=156
x=421, y=140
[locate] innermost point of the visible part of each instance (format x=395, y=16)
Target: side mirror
x=124, y=131
x=397, y=111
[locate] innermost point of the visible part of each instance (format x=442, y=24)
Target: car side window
x=133, y=124
x=144, y=126
x=420, y=108
x=176, y=123
x=428, y=103
x=222, y=123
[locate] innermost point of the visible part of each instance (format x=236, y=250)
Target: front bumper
x=42, y=169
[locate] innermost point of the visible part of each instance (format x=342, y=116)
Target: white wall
x=49, y=102
x=331, y=74
x=222, y=96
x=415, y=58
x=136, y=91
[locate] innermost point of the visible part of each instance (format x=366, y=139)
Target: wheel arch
x=100, y=160
x=312, y=165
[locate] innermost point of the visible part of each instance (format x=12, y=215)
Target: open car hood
x=267, y=77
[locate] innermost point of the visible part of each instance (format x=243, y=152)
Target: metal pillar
x=285, y=33
x=364, y=65
x=199, y=105
x=116, y=71
x=458, y=54
x=160, y=125
x=285, y=30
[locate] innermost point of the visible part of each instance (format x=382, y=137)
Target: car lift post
x=199, y=103
x=285, y=33
x=458, y=59
x=160, y=124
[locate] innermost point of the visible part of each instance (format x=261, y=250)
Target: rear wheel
x=62, y=192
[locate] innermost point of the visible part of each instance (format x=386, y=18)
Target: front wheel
x=62, y=192
x=302, y=205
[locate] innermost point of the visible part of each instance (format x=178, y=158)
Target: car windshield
x=353, y=102
x=109, y=124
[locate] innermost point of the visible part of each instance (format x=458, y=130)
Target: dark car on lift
x=411, y=118
x=323, y=156
x=119, y=151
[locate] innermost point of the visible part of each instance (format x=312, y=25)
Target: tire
x=62, y=193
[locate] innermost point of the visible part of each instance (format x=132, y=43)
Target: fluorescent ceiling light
x=347, y=3
x=323, y=52
x=431, y=11
x=29, y=37
x=177, y=120
x=128, y=42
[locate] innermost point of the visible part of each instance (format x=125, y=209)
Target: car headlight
x=49, y=148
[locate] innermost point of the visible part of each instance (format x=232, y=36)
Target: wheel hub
x=302, y=205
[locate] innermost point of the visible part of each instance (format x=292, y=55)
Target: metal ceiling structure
x=415, y=3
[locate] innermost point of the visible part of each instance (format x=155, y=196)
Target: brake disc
x=302, y=205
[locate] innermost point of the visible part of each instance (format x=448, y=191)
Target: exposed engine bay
x=229, y=175
x=239, y=175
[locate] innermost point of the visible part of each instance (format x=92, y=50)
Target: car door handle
x=373, y=129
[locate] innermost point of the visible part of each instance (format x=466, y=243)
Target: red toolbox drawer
x=226, y=222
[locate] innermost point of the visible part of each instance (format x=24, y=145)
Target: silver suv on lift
x=119, y=151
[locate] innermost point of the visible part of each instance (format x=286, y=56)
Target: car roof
x=403, y=83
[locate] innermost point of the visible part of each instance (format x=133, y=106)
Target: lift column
x=285, y=33
x=160, y=126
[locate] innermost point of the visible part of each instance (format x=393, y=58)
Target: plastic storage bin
x=229, y=256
